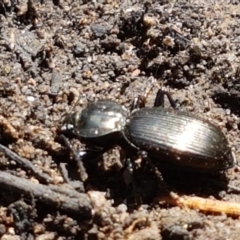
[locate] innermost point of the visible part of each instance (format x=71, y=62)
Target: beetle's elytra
x=188, y=140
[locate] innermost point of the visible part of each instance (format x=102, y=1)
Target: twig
x=202, y=204
x=69, y=202
x=77, y=185
x=26, y=164
x=66, y=189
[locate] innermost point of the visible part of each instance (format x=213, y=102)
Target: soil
x=55, y=56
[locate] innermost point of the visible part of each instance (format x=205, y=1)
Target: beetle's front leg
x=79, y=156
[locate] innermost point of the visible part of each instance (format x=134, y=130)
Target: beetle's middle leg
x=161, y=182
x=129, y=174
x=130, y=178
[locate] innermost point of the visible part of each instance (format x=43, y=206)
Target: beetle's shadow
x=190, y=181
x=178, y=179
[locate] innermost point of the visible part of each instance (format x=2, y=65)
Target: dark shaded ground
x=53, y=52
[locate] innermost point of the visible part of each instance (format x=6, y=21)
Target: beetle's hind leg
x=162, y=185
x=141, y=100
x=159, y=100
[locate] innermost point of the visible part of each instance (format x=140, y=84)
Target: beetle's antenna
x=141, y=100
x=65, y=115
x=149, y=89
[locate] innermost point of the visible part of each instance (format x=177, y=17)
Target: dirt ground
x=56, y=53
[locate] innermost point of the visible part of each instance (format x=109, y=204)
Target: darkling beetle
x=187, y=140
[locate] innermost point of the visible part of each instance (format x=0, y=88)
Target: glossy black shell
x=99, y=119
x=187, y=140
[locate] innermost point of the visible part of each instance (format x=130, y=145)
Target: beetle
x=183, y=138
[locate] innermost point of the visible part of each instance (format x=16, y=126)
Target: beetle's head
x=70, y=122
